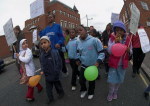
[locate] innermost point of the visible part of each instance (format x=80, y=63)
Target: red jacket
x=114, y=61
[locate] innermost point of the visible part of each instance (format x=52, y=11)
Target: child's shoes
x=29, y=99
x=115, y=96
x=73, y=88
x=109, y=98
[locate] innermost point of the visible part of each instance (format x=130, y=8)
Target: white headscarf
x=21, y=42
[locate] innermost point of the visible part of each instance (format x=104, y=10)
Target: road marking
x=143, y=79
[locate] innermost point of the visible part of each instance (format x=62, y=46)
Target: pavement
x=145, y=67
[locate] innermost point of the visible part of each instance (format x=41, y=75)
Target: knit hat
x=119, y=24
x=45, y=37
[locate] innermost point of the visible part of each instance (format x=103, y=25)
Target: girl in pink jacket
x=117, y=64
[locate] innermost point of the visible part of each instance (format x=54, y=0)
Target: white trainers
x=90, y=96
x=83, y=93
x=73, y=88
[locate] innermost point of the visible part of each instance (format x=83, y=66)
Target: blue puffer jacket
x=72, y=48
x=51, y=64
x=90, y=51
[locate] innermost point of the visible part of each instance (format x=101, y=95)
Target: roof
x=56, y=1
x=75, y=8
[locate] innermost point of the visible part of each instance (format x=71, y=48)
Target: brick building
x=143, y=6
x=66, y=16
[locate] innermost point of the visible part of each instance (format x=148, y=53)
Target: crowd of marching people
x=79, y=47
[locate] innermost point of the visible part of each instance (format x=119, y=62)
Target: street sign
x=135, y=17
x=9, y=32
x=36, y=8
x=114, y=17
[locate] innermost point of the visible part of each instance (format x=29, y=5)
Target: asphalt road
x=13, y=94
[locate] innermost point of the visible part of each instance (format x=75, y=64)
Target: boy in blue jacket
x=51, y=66
x=89, y=53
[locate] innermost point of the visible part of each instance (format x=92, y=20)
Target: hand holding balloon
x=91, y=73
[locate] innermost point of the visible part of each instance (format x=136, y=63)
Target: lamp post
x=88, y=19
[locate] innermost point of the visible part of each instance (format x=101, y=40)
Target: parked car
x=2, y=65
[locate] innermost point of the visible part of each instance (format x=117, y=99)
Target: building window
x=144, y=5
x=68, y=15
x=33, y=22
x=64, y=13
x=148, y=23
x=65, y=24
x=73, y=26
x=38, y=19
x=54, y=11
x=126, y=14
x=60, y=12
x=61, y=23
x=49, y=13
x=124, y=20
x=69, y=25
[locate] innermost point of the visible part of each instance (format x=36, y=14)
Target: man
x=19, y=35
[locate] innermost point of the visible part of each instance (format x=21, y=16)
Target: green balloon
x=91, y=73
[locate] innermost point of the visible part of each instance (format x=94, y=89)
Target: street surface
x=13, y=94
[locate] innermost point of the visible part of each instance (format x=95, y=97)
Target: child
x=72, y=54
x=25, y=57
x=67, y=38
x=89, y=53
x=117, y=65
x=51, y=66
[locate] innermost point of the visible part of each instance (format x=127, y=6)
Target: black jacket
x=105, y=38
x=51, y=64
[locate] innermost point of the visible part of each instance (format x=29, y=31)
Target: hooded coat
x=115, y=61
x=27, y=58
x=90, y=51
x=51, y=64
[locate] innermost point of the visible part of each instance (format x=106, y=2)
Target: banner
x=34, y=36
x=9, y=32
x=36, y=8
x=114, y=17
x=135, y=16
x=144, y=40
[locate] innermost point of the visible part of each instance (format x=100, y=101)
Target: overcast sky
x=99, y=10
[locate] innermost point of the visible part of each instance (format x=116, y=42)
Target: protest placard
x=114, y=17
x=36, y=8
x=144, y=40
x=135, y=17
x=9, y=32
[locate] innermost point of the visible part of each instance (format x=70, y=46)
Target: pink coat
x=114, y=61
